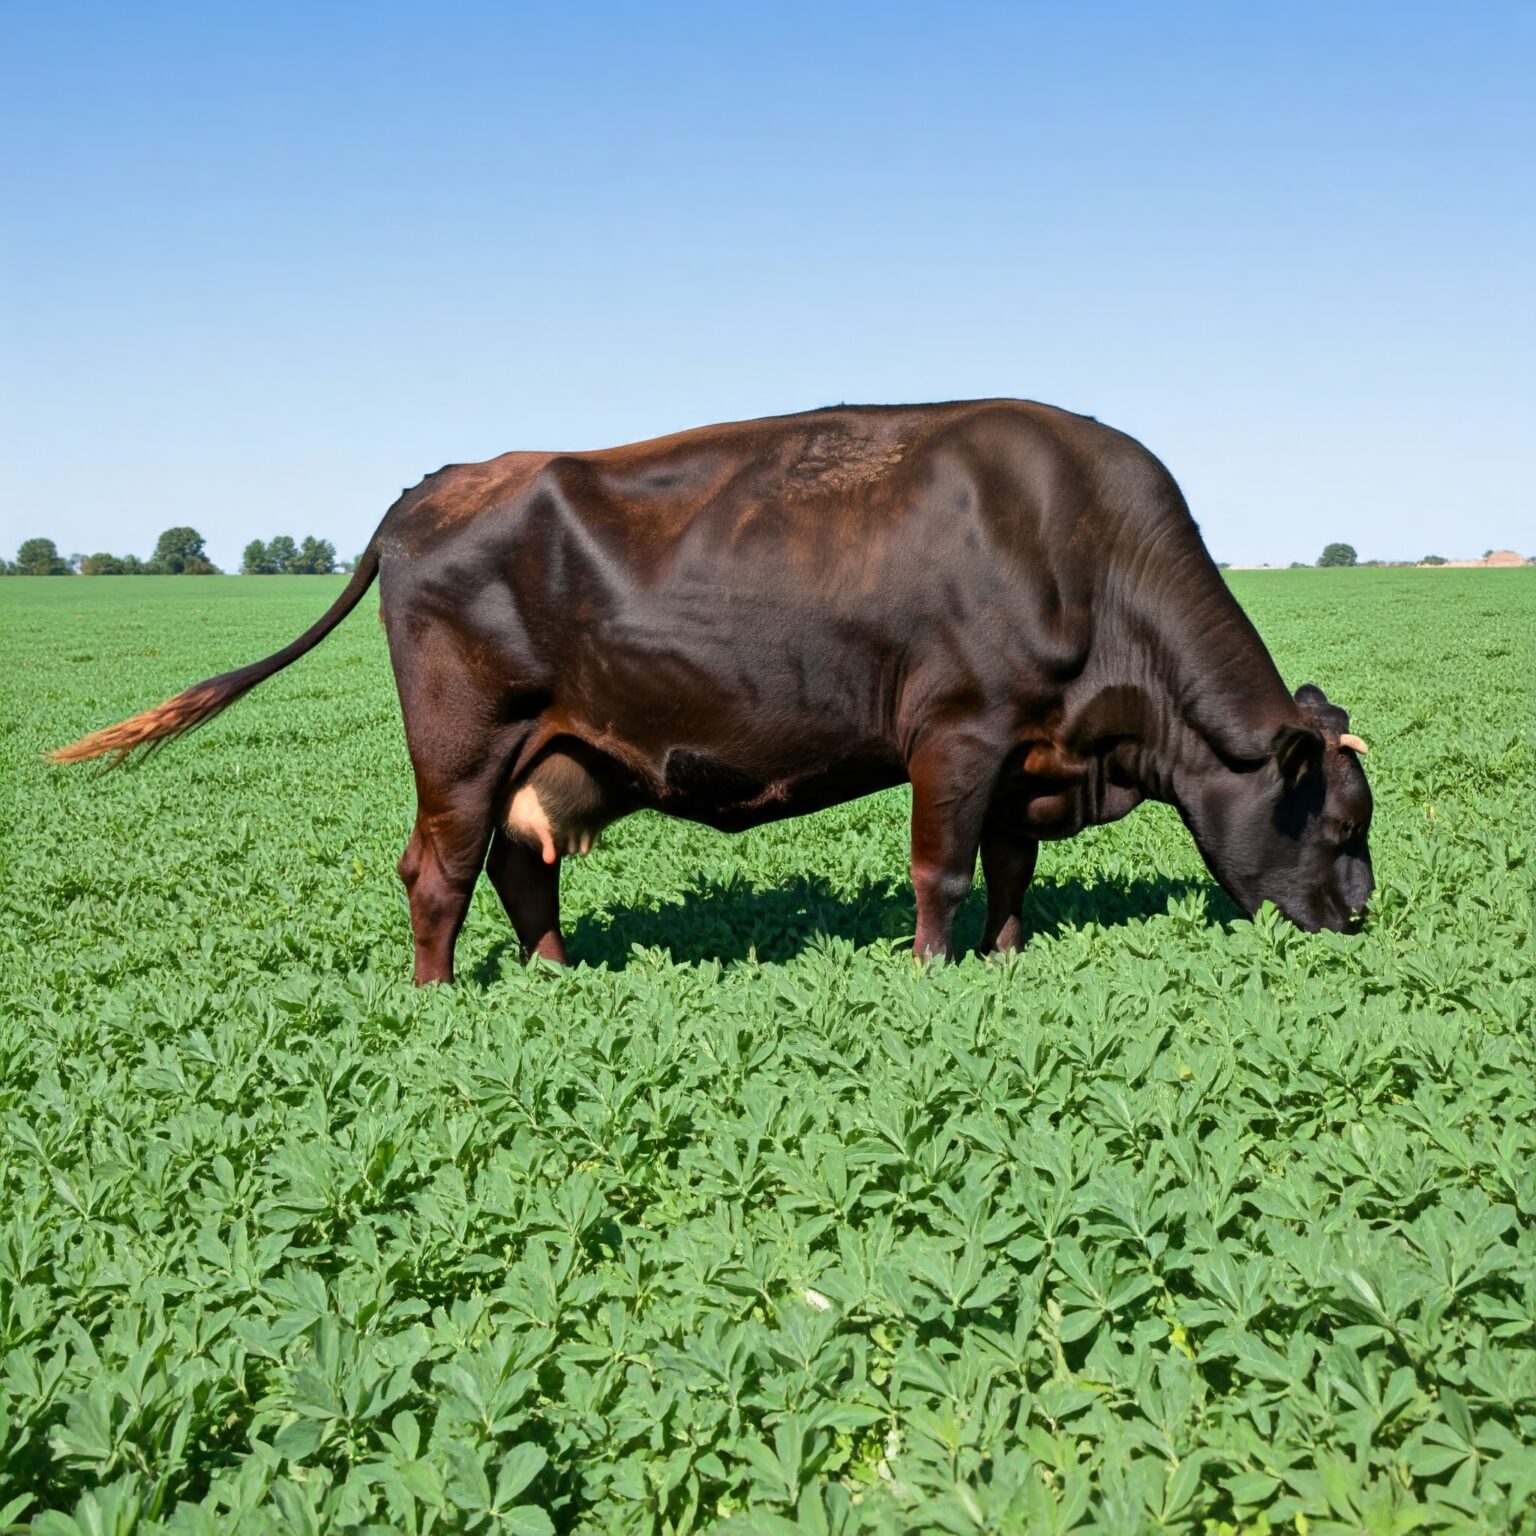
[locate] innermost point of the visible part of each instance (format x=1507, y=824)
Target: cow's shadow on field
x=731, y=921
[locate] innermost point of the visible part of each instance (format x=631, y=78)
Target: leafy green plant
x=1171, y=1222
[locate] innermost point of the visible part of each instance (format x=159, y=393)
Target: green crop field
x=1172, y=1222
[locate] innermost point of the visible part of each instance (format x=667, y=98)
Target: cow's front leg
x=1008, y=863
x=529, y=888
x=952, y=782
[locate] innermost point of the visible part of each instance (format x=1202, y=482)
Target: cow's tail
x=196, y=705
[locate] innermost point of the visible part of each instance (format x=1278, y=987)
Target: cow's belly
x=584, y=776
x=699, y=787
x=733, y=727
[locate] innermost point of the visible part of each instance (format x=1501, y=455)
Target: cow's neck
x=1207, y=691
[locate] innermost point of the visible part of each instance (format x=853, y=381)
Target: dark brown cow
x=1006, y=604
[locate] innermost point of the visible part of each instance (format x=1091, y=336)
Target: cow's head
x=1293, y=831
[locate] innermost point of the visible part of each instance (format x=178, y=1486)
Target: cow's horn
x=1354, y=744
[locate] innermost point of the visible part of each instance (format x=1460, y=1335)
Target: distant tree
x=40, y=557
x=180, y=553
x=282, y=552
x=1433, y=560
x=1487, y=553
x=1338, y=554
x=104, y=565
x=317, y=557
x=257, y=560
x=1299, y=565
x=75, y=562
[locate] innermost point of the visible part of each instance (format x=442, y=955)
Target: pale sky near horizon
x=261, y=267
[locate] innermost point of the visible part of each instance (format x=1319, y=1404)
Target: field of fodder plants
x=1172, y=1222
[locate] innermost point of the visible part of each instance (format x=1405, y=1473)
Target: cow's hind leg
x=1008, y=863
x=439, y=868
x=463, y=735
x=529, y=887
x=558, y=807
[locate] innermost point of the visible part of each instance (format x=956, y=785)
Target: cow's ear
x=1309, y=695
x=1298, y=751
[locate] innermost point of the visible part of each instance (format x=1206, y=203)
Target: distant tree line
x=178, y=552
x=37, y=557
x=282, y=557
x=1335, y=556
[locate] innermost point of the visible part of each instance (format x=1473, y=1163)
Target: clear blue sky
x=264, y=265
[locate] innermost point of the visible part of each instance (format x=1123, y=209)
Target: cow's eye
x=1352, y=837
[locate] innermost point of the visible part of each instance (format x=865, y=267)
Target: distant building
x=1497, y=557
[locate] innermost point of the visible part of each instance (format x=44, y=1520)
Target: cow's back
x=776, y=590
x=824, y=503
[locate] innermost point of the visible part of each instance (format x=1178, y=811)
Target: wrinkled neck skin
x=1181, y=700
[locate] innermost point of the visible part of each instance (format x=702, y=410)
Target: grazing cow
x=1003, y=603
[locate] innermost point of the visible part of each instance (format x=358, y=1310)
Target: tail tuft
x=190, y=708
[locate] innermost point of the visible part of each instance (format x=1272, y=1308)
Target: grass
x=1174, y=1221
